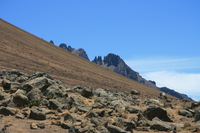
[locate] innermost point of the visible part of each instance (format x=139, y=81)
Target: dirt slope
x=27, y=53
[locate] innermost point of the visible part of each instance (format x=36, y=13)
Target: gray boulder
x=185, y=113
x=20, y=100
x=35, y=96
x=41, y=83
x=77, y=100
x=133, y=109
x=68, y=121
x=197, y=114
x=84, y=108
x=54, y=104
x=135, y=92
x=6, y=84
x=115, y=129
x=8, y=111
x=87, y=92
x=117, y=102
x=37, y=113
x=14, y=87
x=100, y=92
x=91, y=114
x=161, y=126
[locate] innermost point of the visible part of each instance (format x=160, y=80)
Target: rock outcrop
x=80, y=52
x=115, y=63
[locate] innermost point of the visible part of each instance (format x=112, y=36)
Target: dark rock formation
x=151, y=113
x=115, y=63
x=80, y=52
x=174, y=93
x=51, y=41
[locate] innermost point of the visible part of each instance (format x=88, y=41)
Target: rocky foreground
x=48, y=105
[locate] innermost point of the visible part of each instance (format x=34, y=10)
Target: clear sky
x=160, y=39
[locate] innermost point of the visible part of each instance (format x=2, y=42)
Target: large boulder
x=6, y=84
x=77, y=100
x=185, y=113
x=197, y=114
x=54, y=104
x=100, y=92
x=8, y=111
x=35, y=96
x=153, y=112
x=87, y=92
x=41, y=83
x=20, y=100
x=161, y=126
x=37, y=113
x=68, y=121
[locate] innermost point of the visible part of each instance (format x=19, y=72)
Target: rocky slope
x=80, y=52
x=39, y=103
x=115, y=63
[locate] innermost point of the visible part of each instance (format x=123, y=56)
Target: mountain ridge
x=114, y=63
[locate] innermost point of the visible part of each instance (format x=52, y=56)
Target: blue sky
x=158, y=38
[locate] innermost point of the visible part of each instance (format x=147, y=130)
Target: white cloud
x=180, y=74
x=187, y=83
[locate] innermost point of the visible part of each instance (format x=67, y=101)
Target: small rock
x=135, y=92
x=33, y=126
x=41, y=125
x=132, y=109
x=20, y=116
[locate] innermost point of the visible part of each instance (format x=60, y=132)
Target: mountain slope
x=27, y=53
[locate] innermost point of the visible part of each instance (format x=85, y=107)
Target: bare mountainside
x=27, y=53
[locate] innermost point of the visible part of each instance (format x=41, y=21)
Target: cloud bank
x=179, y=74
x=187, y=83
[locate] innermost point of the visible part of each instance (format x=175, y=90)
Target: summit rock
x=80, y=52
